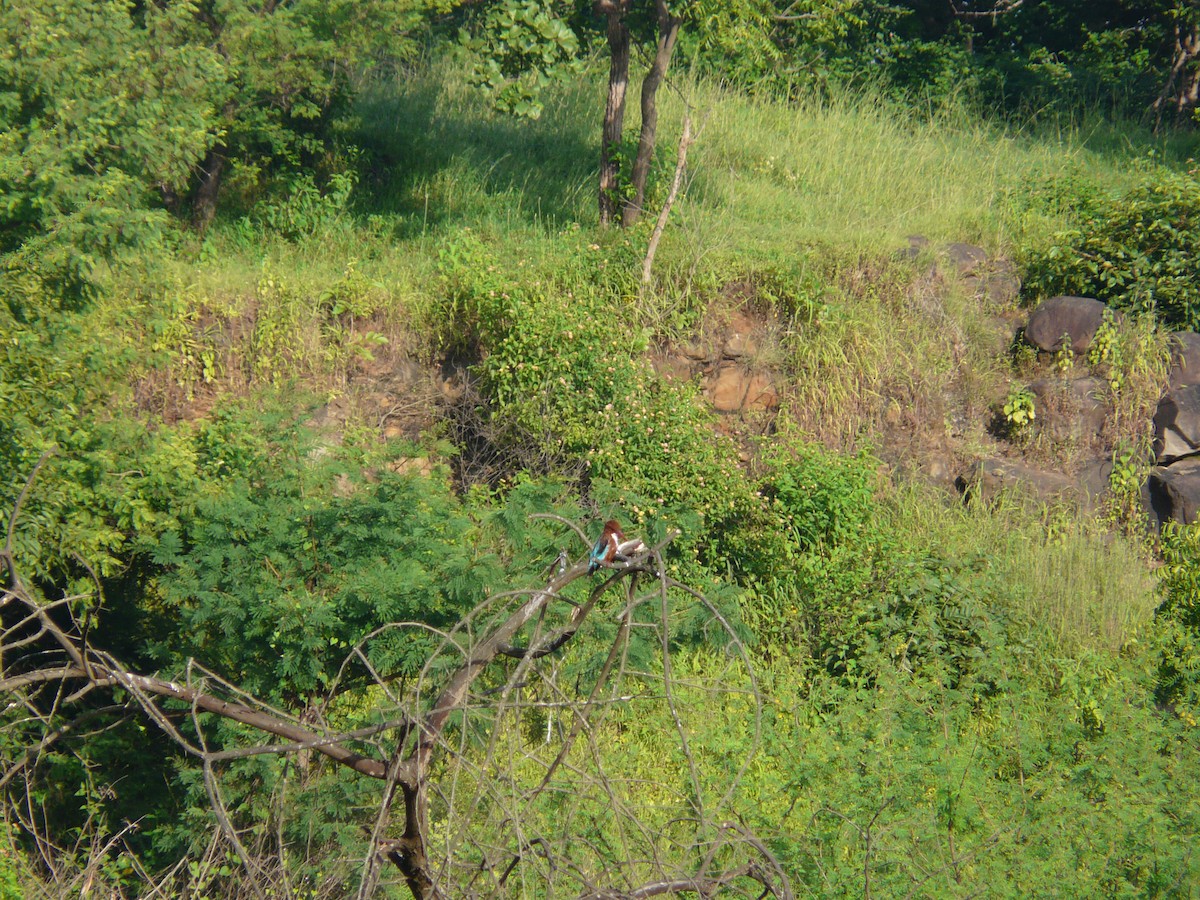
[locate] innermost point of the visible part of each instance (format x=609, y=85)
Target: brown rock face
x=733, y=389
x=673, y=367
x=740, y=340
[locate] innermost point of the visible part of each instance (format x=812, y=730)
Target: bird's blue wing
x=597, y=555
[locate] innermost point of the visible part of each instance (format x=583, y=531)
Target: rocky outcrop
x=1071, y=409
x=1060, y=319
x=733, y=388
x=990, y=278
x=990, y=477
x=1174, y=491
x=1185, y=359
x=725, y=359
x=1177, y=424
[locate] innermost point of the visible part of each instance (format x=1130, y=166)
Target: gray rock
x=1070, y=408
x=1185, y=353
x=965, y=259
x=1094, y=477
x=998, y=283
x=1174, y=492
x=1077, y=317
x=1177, y=424
x=993, y=476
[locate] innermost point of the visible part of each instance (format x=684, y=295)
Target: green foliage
x=947, y=685
x=822, y=499
x=733, y=39
x=11, y=868
x=288, y=69
x=567, y=388
x=1106, y=350
x=1019, y=411
x=910, y=782
x=1134, y=252
x=107, y=476
x=1130, y=470
x=802, y=596
x=111, y=110
x=271, y=578
x=304, y=210
x=99, y=109
x=1179, y=614
x=1061, y=55
x=520, y=47
x=938, y=618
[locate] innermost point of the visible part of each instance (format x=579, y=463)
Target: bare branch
x=998, y=8
x=454, y=744
x=7, y=552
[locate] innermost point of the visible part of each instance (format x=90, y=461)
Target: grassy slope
x=812, y=190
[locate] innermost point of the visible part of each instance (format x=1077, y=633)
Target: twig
x=685, y=141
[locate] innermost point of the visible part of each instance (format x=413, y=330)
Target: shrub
x=566, y=390
x=1179, y=615
x=272, y=576
x=1134, y=252
x=1019, y=410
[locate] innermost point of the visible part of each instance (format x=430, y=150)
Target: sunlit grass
x=859, y=170
x=1077, y=583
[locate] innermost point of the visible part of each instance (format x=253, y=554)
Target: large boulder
x=991, y=477
x=1174, y=491
x=1076, y=317
x=1071, y=409
x=1177, y=424
x=1185, y=359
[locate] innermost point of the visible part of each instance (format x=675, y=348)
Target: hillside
x=308, y=463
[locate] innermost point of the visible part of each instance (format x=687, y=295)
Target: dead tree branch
x=455, y=751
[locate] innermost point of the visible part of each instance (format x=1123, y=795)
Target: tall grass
x=1084, y=588
x=859, y=170
x=766, y=177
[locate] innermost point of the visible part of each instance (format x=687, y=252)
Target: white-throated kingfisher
x=605, y=549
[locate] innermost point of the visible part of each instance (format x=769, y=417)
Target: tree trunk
x=1189, y=90
x=614, y=109
x=1184, y=73
x=668, y=31
x=204, y=205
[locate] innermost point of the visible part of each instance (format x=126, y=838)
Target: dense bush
x=271, y=577
x=567, y=390
x=1134, y=252
x=1179, y=617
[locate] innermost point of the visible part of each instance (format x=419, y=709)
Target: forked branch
x=55, y=671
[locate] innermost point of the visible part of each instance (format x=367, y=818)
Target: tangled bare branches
x=470, y=805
